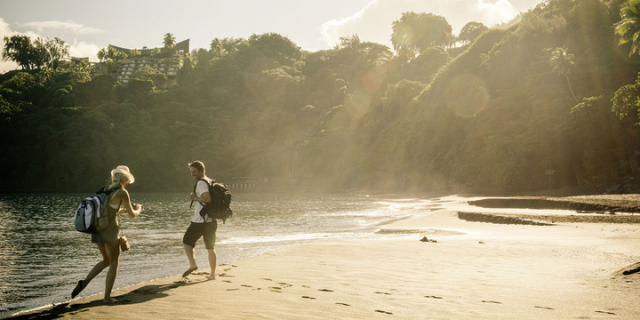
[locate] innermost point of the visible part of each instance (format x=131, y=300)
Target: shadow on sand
x=140, y=295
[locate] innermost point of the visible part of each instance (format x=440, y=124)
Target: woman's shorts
x=197, y=230
x=107, y=235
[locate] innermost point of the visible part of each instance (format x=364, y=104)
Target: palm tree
x=561, y=63
x=629, y=27
x=134, y=52
x=169, y=41
x=102, y=54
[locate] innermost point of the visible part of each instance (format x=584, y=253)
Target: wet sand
x=471, y=270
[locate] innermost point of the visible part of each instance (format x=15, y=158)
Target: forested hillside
x=548, y=100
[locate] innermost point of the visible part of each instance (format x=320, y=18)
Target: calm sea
x=42, y=256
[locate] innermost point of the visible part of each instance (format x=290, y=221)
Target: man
x=199, y=227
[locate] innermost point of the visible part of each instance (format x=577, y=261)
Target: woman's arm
x=128, y=207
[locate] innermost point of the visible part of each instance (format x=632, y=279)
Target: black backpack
x=218, y=208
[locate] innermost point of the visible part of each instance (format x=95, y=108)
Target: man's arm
x=204, y=198
x=203, y=188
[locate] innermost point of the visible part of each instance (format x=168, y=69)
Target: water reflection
x=43, y=256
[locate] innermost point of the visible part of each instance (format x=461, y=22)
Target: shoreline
x=473, y=270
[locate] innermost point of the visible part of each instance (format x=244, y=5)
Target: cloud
x=5, y=31
x=84, y=49
x=76, y=49
x=75, y=28
x=374, y=21
x=500, y=11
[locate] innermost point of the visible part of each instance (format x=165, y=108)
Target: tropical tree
x=169, y=46
x=169, y=41
x=626, y=102
x=39, y=54
x=561, y=63
x=471, y=31
x=102, y=54
x=148, y=73
x=19, y=50
x=222, y=47
x=134, y=52
x=57, y=50
x=629, y=27
x=115, y=54
x=415, y=32
x=35, y=54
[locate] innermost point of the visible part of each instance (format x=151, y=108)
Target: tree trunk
x=574, y=96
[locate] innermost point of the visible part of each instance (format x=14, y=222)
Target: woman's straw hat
x=125, y=171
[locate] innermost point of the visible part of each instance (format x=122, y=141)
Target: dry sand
x=475, y=270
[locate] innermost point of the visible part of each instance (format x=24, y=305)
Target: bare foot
x=109, y=300
x=212, y=276
x=188, y=272
x=78, y=289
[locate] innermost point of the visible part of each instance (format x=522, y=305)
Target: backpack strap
x=196, y=185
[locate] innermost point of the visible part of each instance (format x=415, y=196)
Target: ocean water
x=42, y=256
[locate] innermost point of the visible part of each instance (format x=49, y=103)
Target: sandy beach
x=470, y=270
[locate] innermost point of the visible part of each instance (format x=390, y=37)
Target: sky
x=313, y=25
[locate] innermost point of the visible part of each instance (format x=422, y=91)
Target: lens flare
x=466, y=95
x=373, y=80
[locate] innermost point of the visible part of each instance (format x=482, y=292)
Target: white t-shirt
x=201, y=188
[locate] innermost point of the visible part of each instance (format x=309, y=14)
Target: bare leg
x=95, y=270
x=100, y=265
x=213, y=262
x=113, y=248
x=191, y=255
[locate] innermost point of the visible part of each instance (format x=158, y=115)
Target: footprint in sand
x=227, y=281
x=307, y=297
x=539, y=307
x=227, y=269
x=433, y=297
x=382, y=311
x=232, y=289
x=266, y=279
x=285, y=285
x=490, y=301
x=246, y=285
x=325, y=290
x=344, y=304
x=305, y=286
x=387, y=293
x=605, y=312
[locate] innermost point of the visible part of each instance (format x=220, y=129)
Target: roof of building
x=182, y=45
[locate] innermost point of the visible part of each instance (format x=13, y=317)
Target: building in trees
x=166, y=61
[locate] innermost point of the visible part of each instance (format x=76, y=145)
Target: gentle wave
x=43, y=256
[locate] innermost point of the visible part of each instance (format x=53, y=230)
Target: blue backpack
x=91, y=215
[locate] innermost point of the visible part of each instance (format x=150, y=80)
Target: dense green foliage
x=34, y=54
x=496, y=115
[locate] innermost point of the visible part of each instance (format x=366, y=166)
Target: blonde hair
x=116, y=180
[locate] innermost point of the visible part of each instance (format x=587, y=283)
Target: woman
x=107, y=239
